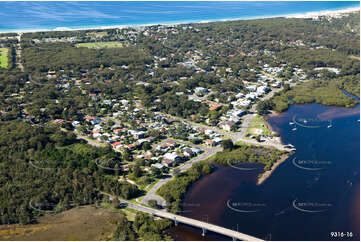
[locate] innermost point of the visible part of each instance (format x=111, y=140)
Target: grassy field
x=82, y=223
x=258, y=127
x=99, y=45
x=3, y=58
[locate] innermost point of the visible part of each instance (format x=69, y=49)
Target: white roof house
x=251, y=88
x=262, y=89
x=217, y=140
x=239, y=95
x=227, y=125
x=158, y=165
x=124, y=102
x=251, y=96
x=196, y=150
x=172, y=156
x=244, y=102
x=136, y=134
x=236, y=112
x=199, y=90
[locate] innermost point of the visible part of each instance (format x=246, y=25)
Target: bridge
x=192, y=222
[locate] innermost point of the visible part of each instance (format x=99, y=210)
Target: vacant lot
x=3, y=58
x=82, y=223
x=99, y=45
x=258, y=127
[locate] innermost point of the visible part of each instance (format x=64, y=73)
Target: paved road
x=236, y=136
x=18, y=53
x=192, y=222
x=208, y=151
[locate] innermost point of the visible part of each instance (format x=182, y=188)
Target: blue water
x=16, y=16
x=336, y=184
x=350, y=95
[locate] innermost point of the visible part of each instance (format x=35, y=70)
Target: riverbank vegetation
x=143, y=228
x=326, y=92
x=174, y=190
x=238, y=154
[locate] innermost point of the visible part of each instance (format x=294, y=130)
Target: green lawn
x=3, y=58
x=258, y=127
x=99, y=45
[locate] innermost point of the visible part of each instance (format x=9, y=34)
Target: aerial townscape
x=106, y=132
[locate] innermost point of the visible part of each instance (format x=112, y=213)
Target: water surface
x=30, y=15
x=313, y=193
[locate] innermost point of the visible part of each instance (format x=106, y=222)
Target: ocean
x=27, y=16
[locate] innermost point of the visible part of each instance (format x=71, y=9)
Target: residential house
x=251, y=88
x=227, y=125
x=158, y=165
x=137, y=134
x=200, y=90
x=188, y=152
x=196, y=150
x=172, y=156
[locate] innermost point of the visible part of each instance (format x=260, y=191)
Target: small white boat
x=294, y=129
x=291, y=123
x=330, y=125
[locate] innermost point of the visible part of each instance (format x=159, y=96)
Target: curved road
x=207, y=152
x=189, y=221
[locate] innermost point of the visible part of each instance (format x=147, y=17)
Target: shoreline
x=265, y=175
x=315, y=14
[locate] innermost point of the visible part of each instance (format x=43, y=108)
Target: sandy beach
x=331, y=13
x=267, y=174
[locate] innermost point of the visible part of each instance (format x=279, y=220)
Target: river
x=313, y=193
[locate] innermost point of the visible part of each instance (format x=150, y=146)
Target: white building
x=251, y=88
x=172, y=156
x=199, y=90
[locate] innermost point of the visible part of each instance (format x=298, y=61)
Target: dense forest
x=143, y=227
x=174, y=190
x=63, y=56
x=27, y=188
x=326, y=92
